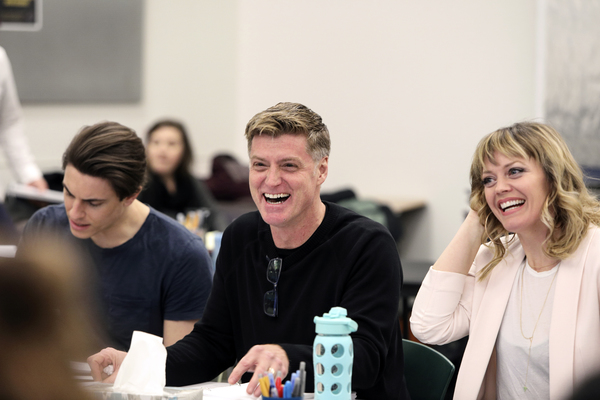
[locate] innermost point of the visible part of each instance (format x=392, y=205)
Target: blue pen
x=271, y=379
x=287, y=389
x=296, y=380
x=293, y=379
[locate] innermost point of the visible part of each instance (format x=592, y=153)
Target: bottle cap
x=335, y=322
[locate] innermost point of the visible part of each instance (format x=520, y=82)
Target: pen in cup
x=274, y=387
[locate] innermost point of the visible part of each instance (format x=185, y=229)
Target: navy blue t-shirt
x=162, y=273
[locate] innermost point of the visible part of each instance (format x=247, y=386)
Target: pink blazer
x=450, y=306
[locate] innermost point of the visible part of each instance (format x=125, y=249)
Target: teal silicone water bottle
x=333, y=355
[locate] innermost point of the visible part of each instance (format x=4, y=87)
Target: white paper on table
x=232, y=392
x=219, y=390
x=29, y=192
x=8, y=250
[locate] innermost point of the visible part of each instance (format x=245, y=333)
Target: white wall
x=407, y=88
x=188, y=72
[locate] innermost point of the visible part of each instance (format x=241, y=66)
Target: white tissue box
x=104, y=391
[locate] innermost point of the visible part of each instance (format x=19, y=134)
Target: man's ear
x=322, y=170
x=130, y=199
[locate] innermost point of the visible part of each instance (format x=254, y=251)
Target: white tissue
x=143, y=370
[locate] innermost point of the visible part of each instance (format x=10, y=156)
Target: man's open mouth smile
x=276, y=198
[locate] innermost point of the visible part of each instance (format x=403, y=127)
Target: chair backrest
x=427, y=371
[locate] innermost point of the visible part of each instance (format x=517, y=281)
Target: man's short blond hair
x=294, y=119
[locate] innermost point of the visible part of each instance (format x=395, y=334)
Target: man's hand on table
x=100, y=361
x=260, y=359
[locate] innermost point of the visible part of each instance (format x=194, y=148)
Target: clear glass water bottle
x=333, y=355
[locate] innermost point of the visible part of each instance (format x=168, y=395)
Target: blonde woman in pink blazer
x=522, y=275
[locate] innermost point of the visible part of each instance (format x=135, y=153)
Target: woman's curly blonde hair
x=569, y=208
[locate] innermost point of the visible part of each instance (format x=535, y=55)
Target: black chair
x=427, y=371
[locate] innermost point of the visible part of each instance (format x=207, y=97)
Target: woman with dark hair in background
x=171, y=187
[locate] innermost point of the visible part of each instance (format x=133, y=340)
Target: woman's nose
x=502, y=185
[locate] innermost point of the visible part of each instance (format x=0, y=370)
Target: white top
x=12, y=137
x=513, y=349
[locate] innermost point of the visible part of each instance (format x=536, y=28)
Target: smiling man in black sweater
x=329, y=256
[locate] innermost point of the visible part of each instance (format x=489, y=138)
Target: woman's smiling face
x=516, y=190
